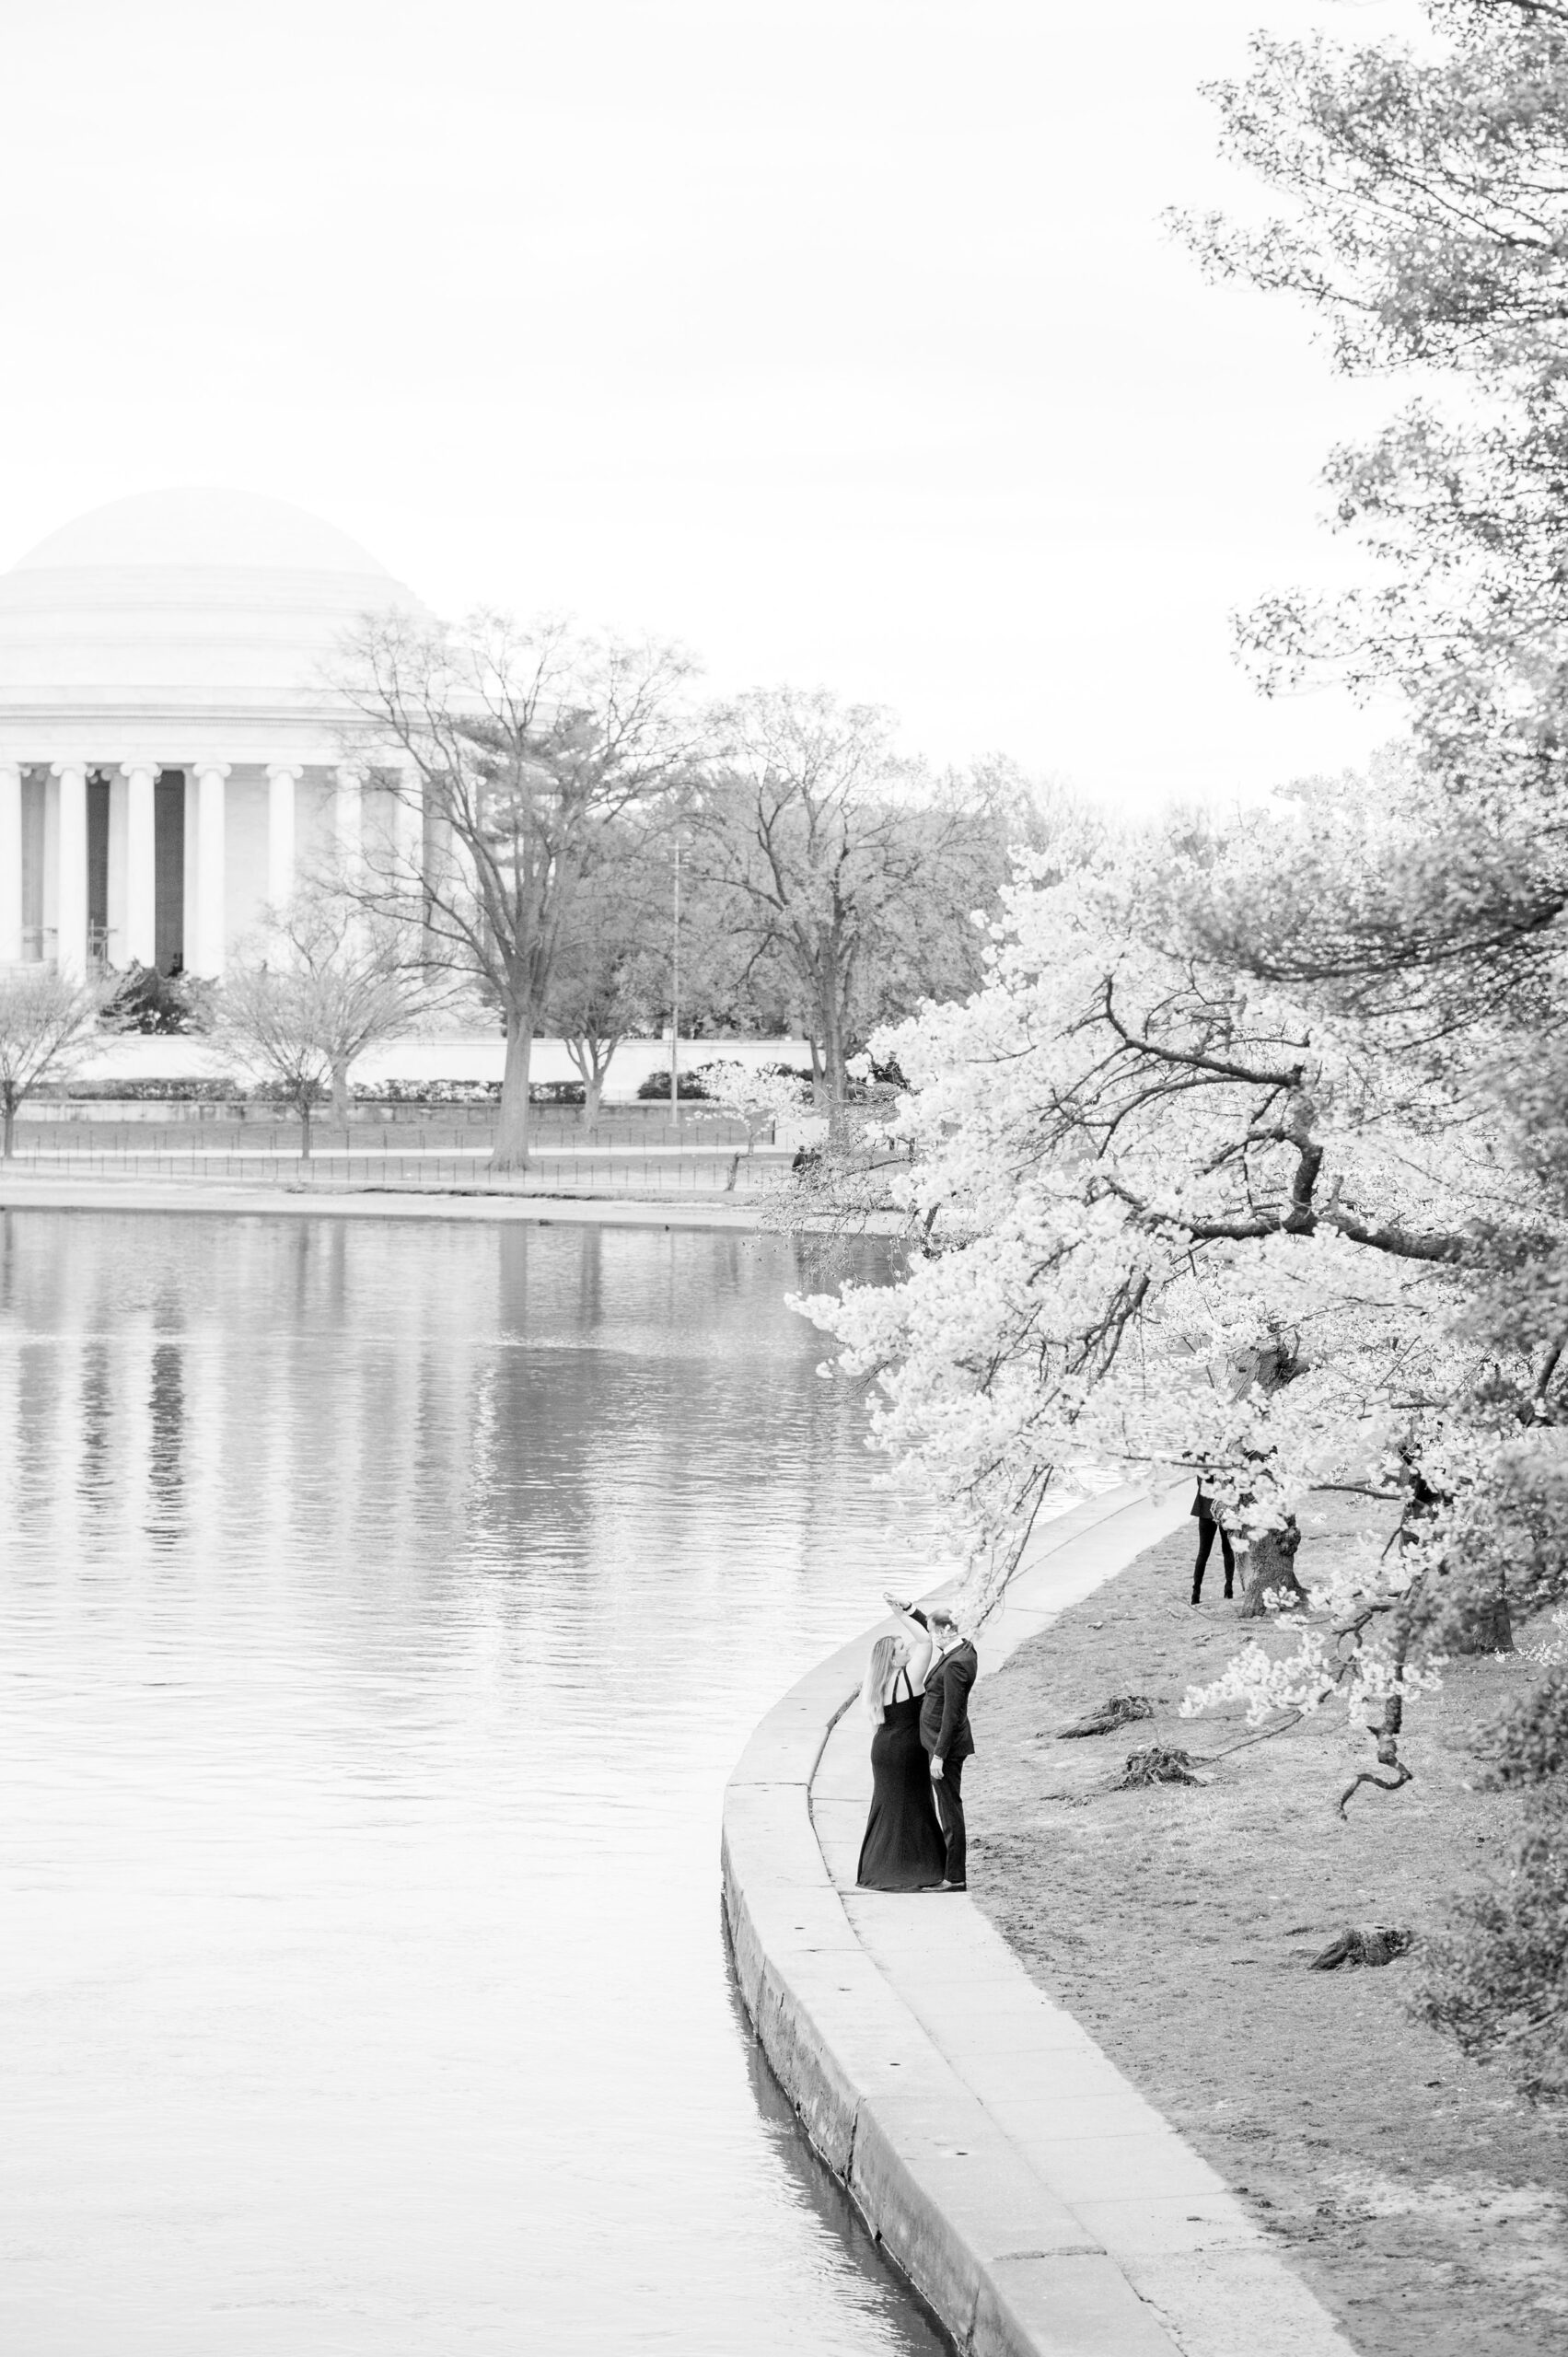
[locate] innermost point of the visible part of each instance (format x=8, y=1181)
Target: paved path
x=1040, y=2204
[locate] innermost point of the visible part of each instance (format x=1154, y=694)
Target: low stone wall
x=1034, y=2199
x=864, y=2078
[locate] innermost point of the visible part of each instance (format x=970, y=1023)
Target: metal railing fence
x=550, y=1171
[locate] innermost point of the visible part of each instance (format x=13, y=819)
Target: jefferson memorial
x=171, y=753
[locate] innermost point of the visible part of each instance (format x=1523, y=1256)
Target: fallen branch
x=1290, y=1719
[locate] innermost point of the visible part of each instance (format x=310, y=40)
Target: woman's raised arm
x=912, y=1620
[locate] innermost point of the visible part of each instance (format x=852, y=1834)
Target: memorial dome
x=172, y=754
x=166, y=621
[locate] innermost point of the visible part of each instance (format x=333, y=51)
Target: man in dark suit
x=1209, y=1525
x=945, y=1731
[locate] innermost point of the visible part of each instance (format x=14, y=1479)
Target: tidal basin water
x=382, y=1609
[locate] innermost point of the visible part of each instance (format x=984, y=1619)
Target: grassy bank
x=1424, y=2201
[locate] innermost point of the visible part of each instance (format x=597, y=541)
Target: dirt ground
x=1425, y=2202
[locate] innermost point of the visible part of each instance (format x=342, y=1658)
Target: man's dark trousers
x=945, y=1733
x=949, y=1790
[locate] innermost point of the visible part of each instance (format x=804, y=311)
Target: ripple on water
x=383, y=1607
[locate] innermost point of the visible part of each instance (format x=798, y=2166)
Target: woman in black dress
x=1209, y=1524
x=902, y=1849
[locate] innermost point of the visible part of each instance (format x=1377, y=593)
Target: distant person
x=904, y=1847
x=1209, y=1524
x=945, y=1730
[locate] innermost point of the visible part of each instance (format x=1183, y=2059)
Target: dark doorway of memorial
x=168, y=872
x=99, y=944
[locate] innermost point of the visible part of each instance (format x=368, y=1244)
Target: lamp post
x=675, y=1000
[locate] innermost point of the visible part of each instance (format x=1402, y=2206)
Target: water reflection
x=383, y=1608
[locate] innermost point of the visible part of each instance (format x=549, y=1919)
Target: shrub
x=433, y=1092
x=1529, y=1742
x=655, y=1088
x=1496, y=1977
x=140, y=1092
x=557, y=1092
x=149, y=1001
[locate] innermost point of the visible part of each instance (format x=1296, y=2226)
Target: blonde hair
x=884, y=1653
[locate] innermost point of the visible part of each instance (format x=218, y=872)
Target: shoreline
x=1034, y=2198
x=210, y=1198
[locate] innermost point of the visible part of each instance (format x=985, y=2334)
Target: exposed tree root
x=1401, y=1775
x=1351, y=1946
x=1115, y=1712
x=1162, y=1763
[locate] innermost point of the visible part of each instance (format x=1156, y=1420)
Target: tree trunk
x=833, y=1064
x=1270, y=1571
x=510, y=1151
x=305, y=1129
x=1485, y=1627
x=9, y=1115
x=592, y=1056
x=340, y=1093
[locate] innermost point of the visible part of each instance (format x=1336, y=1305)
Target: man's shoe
x=952, y=1886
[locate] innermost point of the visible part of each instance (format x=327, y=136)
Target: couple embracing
x=916, y=1694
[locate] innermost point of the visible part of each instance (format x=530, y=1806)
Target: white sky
x=838, y=338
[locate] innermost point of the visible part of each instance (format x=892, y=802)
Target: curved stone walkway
x=1033, y=2197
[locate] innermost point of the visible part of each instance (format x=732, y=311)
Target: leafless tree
x=611, y=969
x=523, y=750
x=843, y=864
x=46, y=1021
x=306, y=996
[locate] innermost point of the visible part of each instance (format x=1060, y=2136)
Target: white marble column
x=10, y=863
x=410, y=833
x=283, y=781
x=348, y=821
x=70, y=902
x=141, y=863
x=211, y=923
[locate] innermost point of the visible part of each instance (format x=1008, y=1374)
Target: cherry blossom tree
x=756, y=1095
x=1148, y=1184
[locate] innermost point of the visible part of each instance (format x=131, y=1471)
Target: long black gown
x=902, y=1849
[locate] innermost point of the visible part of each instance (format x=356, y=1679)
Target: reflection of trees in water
x=34, y=1451
x=644, y=1398
x=604, y=1421
x=166, y=1450
x=591, y=1281
x=97, y=1421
